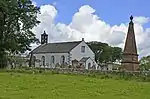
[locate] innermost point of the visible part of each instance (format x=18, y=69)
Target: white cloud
x=93, y=28
x=141, y=19
x=47, y=17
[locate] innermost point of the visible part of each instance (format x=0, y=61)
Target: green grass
x=59, y=86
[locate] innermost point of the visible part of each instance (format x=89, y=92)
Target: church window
x=89, y=65
x=52, y=59
x=82, y=49
x=62, y=60
x=43, y=60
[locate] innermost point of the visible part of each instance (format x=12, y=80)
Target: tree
x=105, y=53
x=117, y=54
x=145, y=63
x=17, y=18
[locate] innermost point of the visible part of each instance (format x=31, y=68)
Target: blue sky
x=111, y=27
x=111, y=11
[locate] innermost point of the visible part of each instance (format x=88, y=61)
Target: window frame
x=62, y=59
x=52, y=59
x=83, y=49
x=43, y=60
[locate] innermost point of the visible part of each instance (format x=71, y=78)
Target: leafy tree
x=117, y=54
x=17, y=18
x=145, y=63
x=105, y=53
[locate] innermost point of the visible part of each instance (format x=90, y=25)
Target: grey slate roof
x=62, y=47
x=84, y=59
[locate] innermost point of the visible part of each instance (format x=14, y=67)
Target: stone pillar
x=130, y=56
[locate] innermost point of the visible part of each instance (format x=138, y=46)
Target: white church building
x=76, y=53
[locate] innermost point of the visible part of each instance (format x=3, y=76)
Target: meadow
x=61, y=86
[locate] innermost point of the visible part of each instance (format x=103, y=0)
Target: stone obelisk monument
x=130, y=56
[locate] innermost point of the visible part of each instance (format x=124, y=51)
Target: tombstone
x=110, y=66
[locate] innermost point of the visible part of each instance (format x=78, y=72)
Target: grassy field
x=59, y=86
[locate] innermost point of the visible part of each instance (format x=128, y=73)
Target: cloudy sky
x=95, y=20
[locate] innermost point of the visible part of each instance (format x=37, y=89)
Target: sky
x=95, y=20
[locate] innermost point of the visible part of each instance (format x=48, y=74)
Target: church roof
x=62, y=47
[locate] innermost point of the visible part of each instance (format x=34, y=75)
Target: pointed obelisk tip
x=131, y=17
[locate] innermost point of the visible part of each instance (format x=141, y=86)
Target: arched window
x=52, y=59
x=89, y=65
x=62, y=59
x=43, y=60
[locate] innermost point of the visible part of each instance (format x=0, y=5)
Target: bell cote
x=44, y=38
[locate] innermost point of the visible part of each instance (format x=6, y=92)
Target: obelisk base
x=132, y=66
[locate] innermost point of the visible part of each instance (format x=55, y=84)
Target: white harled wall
x=48, y=58
x=77, y=54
